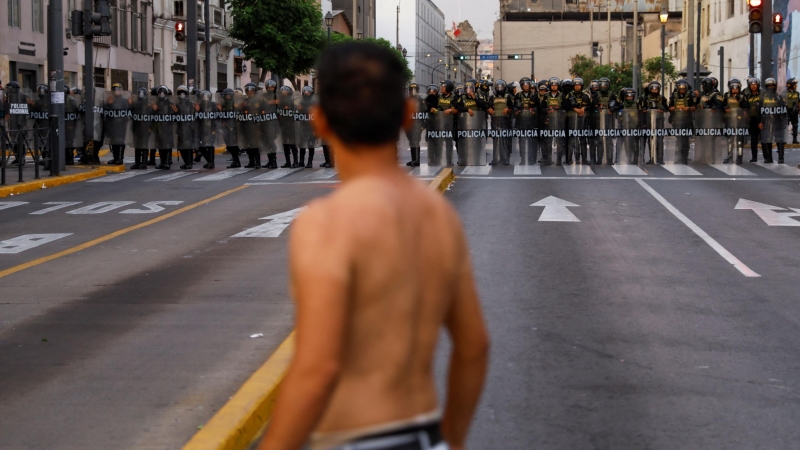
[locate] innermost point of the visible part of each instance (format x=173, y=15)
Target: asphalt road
x=623, y=329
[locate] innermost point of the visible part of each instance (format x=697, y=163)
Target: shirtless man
x=377, y=269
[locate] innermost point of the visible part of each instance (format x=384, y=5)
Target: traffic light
x=755, y=15
x=459, y=58
x=777, y=23
x=180, y=31
x=514, y=57
x=76, y=28
x=201, y=32
x=105, y=18
x=97, y=23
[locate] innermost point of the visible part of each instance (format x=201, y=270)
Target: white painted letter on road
x=152, y=207
x=59, y=205
x=99, y=208
x=555, y=210
x=770, y=214
x=6, y=205
x=27, y=242
x=274, y=228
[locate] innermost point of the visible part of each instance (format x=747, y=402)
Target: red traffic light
x=777, y=23
x=754, y=3
x=180, y=31
x=777, y=18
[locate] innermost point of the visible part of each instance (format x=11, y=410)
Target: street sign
x=489, y=57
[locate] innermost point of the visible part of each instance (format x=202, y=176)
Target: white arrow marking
x=770, y=215
x=277, y=223
x=152, y=207
x=60, y=205
x=6, y=205
x=555, y=210
x=28, y=241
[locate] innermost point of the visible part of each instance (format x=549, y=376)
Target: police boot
x=137, y=159
x=326, y=154
x=271, y=161
x=302, y=158
x=235, y=163
x=257, y=156
x=310, y=159
x=780, y=153
x=152, y=160
x=164, y=157
x=294, y=158
x=186, y=155
x=794, y=134
x=251, y=161
x=121, y=155
x=114, y=156
x=766, y=150
x=754, y=150
x=198, y=155
x=413, y=157
x=287, y=152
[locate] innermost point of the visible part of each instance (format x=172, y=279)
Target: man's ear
x=320, y=123
x=409, y=110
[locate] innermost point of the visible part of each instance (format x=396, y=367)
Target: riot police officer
x=753, y=96
x=141, y=128
x=468, y=105
x=163, y=127
x=71, y=124
x=228, y=126
x=253, y=108
x=115, y=125
x=445, y=104
x=40, y=114
x=526, y=103
x=736, y=120
x=286, y=122
x=682, y=104
x=629, y=114
x=553, y=109
x=270, y=128
x=577, y=104
x=792, y=105
x=185, y=127
x=500, y=108
x=772, y=121
x=653, y=106
x=206, y=121
x=304, y=132
x=418, y=119
x=604, y=104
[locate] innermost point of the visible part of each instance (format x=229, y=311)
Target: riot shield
x=73, y=121
x=116, y=120
x=737, y=129
x=528, y=137
x=184, y=122
x=471, y=138
x=40, y=121
x=708, y=149
x=654, y=136
x=501, y=134
x=207, y=123
x=440, y=139
x=270, y=130
x=603, y=124
x=683, y=129
x=141, y=125
x=629, y=123
x=774, y=118
x=99, y=116
x=555, y=137
x=286, y=118
x=163, y=127
x=18, y=112
x=576, y=140
x=303, y=132
x=227, y=120
x=418, y=121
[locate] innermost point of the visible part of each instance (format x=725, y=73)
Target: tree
x=651, y=69
x=620, y=75
x=281, y=36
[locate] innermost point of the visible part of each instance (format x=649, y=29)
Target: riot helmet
x=43, y=90
x=77, y=91
x=513, y=87
x=566, y=85
x=228, y=93
x=605, y=84
x=654, y=88
x=499, y=87
x=486, y=85
x=12, y=87
x=791, y=84
x=142, y=92
x=238, y=91
x=542, y=86
x=116, y=88
x=754, y=82
x=433, y=90
x=413, y=89
x=734, y=84
x=447, y=87
x=682, y=86
x=473, y=81
x=205, y=96
x=286, y=90
x=554, y=83
x=250, y=89
x=162, y=91
x=707, y=85
x=307, y=91
x=714, y=83
x=594, y=86
x=526, y=85
x=576, y=83
x=460, y=89
x=771, y=84
x=271, y=85
x=66, y=89
x=629, y=95
x=183, y=92
x=469, y=88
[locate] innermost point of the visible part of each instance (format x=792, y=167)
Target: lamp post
x=359, y=35
x=329, y=23
x=434, y=69
x=663, y=17
x=622, y=44
x=405, y=53
x=638, y=65
x=600, y=54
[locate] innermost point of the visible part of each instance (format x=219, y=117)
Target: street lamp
x=663, y=17
x=640, y=34
x=359, y=35
x=434, y=69
x=600, y=54
x=329, y=23
x=405, y=53
x=622, y=44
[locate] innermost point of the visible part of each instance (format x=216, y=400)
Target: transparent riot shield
x=528, y=137
x=270, y=129
x=682, y=123
x=73, y=121
x=303, y=132
x=471, y=138
x=440, y=139
x=737, y=130
x=654, y=136
x=116, y=117
x=286, y=118
x=207, y=122
x=141, y=108
x=576, y=139
x=40, y=121
x=99, y=116
x=555, y=137
x=418, y=121
x=226, y=106
x=501, y=135
x=774, y=118
x=164, y=108
x=18, y=114
x=708, y=128
x=603, y=126
x=185, y=131
x=629, y=123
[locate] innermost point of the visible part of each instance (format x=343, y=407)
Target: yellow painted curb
x=239, y=422
x=44, y=183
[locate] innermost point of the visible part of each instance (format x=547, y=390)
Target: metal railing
x=20, y=144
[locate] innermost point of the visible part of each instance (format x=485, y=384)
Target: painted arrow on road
x=770, y=214
x=277, y=223
x=555, y=210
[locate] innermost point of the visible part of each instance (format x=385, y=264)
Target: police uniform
x=753, y=99
x=735, y=106
x=772, y=121
x=500, y=101
x=792, y=104
x=577, y=145
x=657, y=102
x=553, y=101
x=604, y=102
x=444, y=103
x=681, y=106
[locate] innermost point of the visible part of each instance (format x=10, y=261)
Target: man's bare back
x=378, y=268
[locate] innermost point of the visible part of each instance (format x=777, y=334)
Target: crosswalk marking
x=172, y=176
x=274, y=174
x=578, y=169
x=781, y=169
x=681, y=169
x=629, y=169
x=733, y=170
x=534, y=169
x=224, y=175
x=119, y=176
x=476, y=170
x=425, y=170
x=322, y=174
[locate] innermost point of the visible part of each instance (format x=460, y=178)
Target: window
x=177, y=80
x=100, y=77
x=143, y=23
x=121, y=77
x=177, y=8
x=218, y=17
x=222, y=81
x=112, y=6
x=730, y=8
x=13, y=13
x=123, y=27
x=37, y=16
x=134, y=27
x=708, y=20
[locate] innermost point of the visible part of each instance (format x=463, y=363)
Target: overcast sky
x=480, y=13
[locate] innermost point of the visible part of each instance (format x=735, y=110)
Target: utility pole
x=207, y=36
x=88, y=80
x=697, y=44
x=752, y=60
x=191, y=44
x=766, y=41
x=608, y=17
x=721, y=53
x=55, y=62
x=636, y=81
x=690, y=43
x=397, y=42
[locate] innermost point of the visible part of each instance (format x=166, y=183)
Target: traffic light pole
x=766, y=40
x=191, y=45
x=207, y=38
x=55, y=62
x=88, y=81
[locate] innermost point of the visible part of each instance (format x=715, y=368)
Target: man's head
x=682, y=87
x=791, y=84
x=754, y=84
x=577, y=84
x=605, y=84
x=654, y=88
x=362, y=94
x=735, y=86
x=770, y=84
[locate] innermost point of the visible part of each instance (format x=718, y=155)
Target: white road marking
x=274, y=228
x=224, y=175
x=274, y=174
x=59, y=205
x=28, y=241
x=770, y=215
x=577, y=169
x=7, y=205
x=322, y=174
x=173, y=176
x=734, y=170
x=100, y=208
x=152, y=207
x=555, y=210
x=118, y=177
x=681, y=169
x=781, y=169
x=425, y=170
x=476, y=170
x=728, y=256
x=533, y=169
x=629, y=169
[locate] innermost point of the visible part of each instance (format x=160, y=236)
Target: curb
x=240, y=421
x=44, y=183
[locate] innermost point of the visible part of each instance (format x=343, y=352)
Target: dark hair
x=362, y=92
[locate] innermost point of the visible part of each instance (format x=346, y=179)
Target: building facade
x=362, y=13
x=429, y=57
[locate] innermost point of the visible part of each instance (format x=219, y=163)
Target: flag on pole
x=456, y=30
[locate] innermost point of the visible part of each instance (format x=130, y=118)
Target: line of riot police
x=25, y=124
x=561, y=123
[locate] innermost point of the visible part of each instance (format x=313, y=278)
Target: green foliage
x=651, y=70
x=621, y=75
